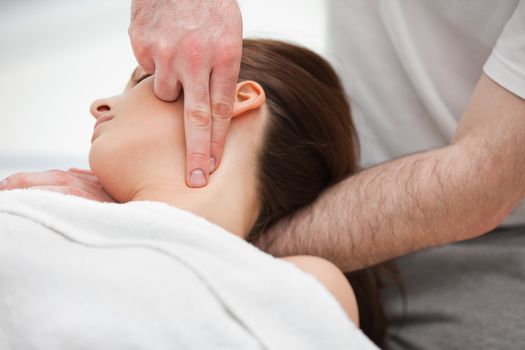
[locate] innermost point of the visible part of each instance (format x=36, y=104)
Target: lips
x=102, y=119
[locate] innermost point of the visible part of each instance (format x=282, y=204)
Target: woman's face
x=143, y=140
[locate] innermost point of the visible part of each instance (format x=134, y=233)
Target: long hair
x=310, y=143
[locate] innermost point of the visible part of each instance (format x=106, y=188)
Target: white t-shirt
x=410, y=67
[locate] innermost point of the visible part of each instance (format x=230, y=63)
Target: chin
x=107, y=172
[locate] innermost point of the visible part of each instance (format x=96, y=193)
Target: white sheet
x=79, y=274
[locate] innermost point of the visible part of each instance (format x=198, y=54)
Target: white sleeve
x=506, y=64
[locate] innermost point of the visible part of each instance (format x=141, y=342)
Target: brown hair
x=310, y=143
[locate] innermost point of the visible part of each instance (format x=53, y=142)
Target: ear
x=249, y=95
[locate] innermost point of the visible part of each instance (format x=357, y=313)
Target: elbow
x=494, y=190
x=495, y=218
x=483, y=218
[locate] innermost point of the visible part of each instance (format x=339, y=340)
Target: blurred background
x=57, y=56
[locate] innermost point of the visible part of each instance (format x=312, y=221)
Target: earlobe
x=249, y=95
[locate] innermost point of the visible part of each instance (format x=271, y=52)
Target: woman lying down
x=169, y=266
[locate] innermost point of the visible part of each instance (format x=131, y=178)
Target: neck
x=231, y=207
x=230, y=199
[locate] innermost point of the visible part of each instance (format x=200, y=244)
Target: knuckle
x=193, y=45
x=61, y=178
x=222, y=110
x=229, y=53
x=132, y=31
x=98, y=187
x=199, y=118
x=199, y=157
x=138, y=39
x=165, y=51
x=74, y=191
x=228, y=56
x=140, y=49
x=220, y=128
x=217, y=146
x=20, y=180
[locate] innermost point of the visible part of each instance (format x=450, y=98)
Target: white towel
x=79, y=274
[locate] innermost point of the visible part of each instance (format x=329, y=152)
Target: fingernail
x=212, y=164
x=197, y=178
x=3, y=184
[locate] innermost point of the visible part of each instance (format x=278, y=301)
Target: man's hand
x=195, y=45
x=76, y=182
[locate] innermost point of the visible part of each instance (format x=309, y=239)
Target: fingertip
x=177, y=90
x=197, y=179
x=213, y=164
x=162, y=92
x=219, y=131
x=166, y=85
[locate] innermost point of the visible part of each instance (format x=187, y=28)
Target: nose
x=102, y=106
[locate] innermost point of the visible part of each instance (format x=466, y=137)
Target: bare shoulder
x=333, y=279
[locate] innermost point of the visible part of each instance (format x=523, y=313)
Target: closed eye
x=144, y=76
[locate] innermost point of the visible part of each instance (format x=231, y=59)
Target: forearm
x=423, y=200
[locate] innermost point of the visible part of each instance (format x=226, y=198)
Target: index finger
x=197, y=129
